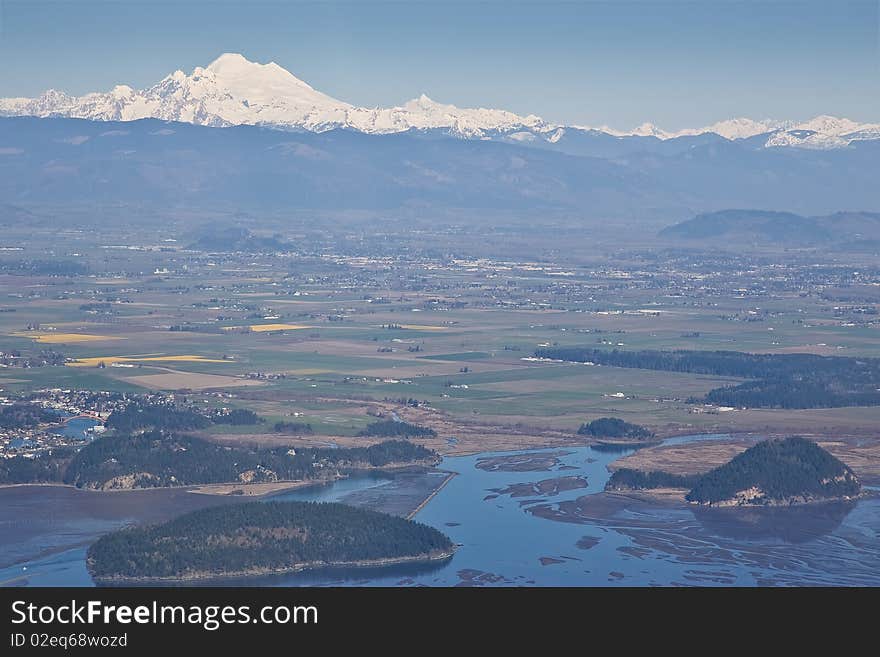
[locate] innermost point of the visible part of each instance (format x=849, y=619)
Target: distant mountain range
x=233, y=91
x=590, y=179
x=760, y=227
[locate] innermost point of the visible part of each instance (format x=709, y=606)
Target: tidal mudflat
x=517, y=522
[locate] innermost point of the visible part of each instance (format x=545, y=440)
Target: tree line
x=388, y=428
x=24, y=415
x=614, y=427
x=778, y=380
x=292, y=428
x=629, y=479
x=145, y=414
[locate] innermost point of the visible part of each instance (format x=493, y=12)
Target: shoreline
x=604, y=500
x=263, y=489
x=676, y=496
x=198, y=489
x=224, y=489
x=268, y=572
x=700, y=456
x=258, y=491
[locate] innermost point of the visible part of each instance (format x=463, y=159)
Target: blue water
x=78, y=428
x=66, y=568
x=333, y=492
x=500, y=542
x=497, y=537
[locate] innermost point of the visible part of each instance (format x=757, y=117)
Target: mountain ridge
x=775, y=227
x=232, y=90
x=69, y=161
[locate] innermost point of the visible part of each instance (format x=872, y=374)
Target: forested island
x=782, y=471
x=614, y=427
x=778, y=380
x=261, y=538
x=159, y=459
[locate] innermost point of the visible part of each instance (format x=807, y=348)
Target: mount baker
x=234, y=91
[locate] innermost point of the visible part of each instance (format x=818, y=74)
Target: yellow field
x=57, y=338
x=96, y=360
x=262, y=328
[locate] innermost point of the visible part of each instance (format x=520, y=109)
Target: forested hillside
x=156, y=459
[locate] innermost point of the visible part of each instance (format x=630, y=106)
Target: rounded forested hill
x=783, y=470
x=261, y=538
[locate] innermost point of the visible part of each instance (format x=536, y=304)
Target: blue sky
x=678, y=64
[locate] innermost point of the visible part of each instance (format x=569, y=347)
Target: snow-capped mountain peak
x=740, y=128
x=237, y=64
x=233, y=90
x=424, y=102
x=823, y=132
x=255, y=81
x=646, y=129
x=121, y=91
x=650, y=130
x=829, y=125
